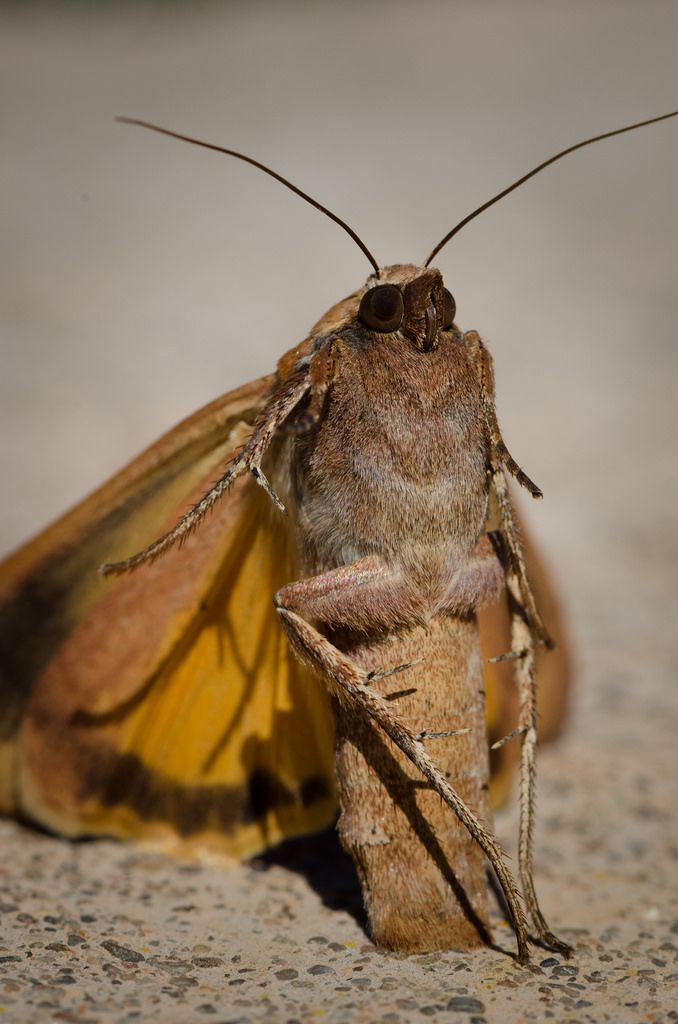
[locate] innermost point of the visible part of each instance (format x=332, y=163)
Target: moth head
x=408, y=301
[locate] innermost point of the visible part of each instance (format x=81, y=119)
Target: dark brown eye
x=382, y=309
x=449, y=309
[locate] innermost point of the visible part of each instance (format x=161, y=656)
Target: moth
x=317, y=606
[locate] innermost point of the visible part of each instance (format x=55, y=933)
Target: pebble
x=466, y=1004
x=565, y=971
x=321, y=969
x=130, y=956
x=287, y=974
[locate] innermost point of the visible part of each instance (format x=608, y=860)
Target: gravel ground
x=138, y=280
x=97, y=931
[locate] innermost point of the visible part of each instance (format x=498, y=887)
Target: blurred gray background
x=140, y=277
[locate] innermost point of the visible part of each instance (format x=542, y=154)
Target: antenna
x=266, y=170
x=521, y=181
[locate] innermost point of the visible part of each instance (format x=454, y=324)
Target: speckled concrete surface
x=131, y=292
x=98, y=931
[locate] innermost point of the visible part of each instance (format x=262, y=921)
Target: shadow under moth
x=248, y=671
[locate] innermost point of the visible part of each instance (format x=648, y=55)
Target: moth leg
x=322, y=371
x=283, y=400
x=525, y=624
x=348, y=595
x=478, y=581
x=517, y=565
x=521, y=640
x=500, y=457
x=483, y=366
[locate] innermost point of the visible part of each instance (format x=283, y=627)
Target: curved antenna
x=266, y=170
x=536, y=170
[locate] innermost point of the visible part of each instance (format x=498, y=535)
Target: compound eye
x=382, y=308
x=449, y=309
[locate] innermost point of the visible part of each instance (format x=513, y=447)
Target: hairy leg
x=482, y=361
x=522, y=642
x=281, y=403
x=526, y=624
x=365, y=592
